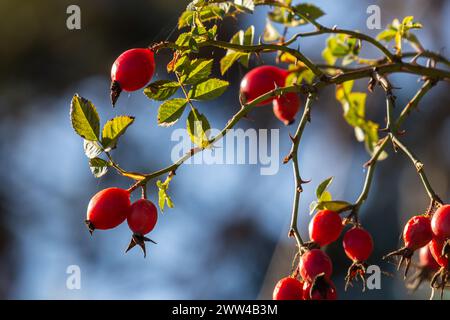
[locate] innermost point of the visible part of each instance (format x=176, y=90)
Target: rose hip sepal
x=320, y=290
x=425, y=270
x=141, y=219
x=417, y=233
x=107, y=209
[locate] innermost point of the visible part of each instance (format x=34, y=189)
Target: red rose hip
x=131, y=71
x=358, y=244
x=417, y=232
x=107, y=209
x=325, y=227
x=436, y=246
x=261, y=80
x=141, y=219
x=286, y=107
x=440, y=223
x=314, y=263
x=426, y=259
x=288, y=289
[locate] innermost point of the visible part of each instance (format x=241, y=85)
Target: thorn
x=292, y=138
x=287, y=158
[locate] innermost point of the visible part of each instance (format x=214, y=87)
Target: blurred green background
x=226, y=236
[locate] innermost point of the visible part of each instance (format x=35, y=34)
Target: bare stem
x=419, y=167
x=428, y=84
x=369, y=176
x=293, y=230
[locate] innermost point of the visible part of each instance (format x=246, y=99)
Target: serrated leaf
x=98, y=167
x=91, y=149
x=161, y=90
x=336, y=205
x=113, y=129
x=209, y=89
x=227, y=61
x=170, y=111
x=247, y=41
x=323, y=186
x=245, y=5
x=183, y=39
x=84, y=118
x=207, y=13
x=311, y=11
x=193, y=45
x=198, y=128
x=199, y=70
x=386, y=35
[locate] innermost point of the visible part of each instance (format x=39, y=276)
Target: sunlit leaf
x=113, y=129
x=98, y=166
x=170, y=111
x=209, y=89
x=161, y=90
x=84, y=118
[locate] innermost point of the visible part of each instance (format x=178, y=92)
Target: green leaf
x=113, y=129
x=245, y=5
x=325, y=196
x=84, y=118
x=98, y=167
x=183, y=39
x=198, y=128
x=336, y=205
x=231, y=56
x=323, y=186
x=312, y=207
x=163, y=197
x=209, y=89
x=206, y=13
x=170, y=111
x=181, y=63
x=309, y=10
x=247, y=41
x=162, y=89
x=227, y=61
x=328, y=56
x=91, y=149
x=193, y=45
x=386, y=35
x=199, y=70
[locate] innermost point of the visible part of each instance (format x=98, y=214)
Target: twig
x=428, y=84
x=293, y=230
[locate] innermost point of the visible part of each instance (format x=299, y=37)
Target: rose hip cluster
x=315, y=267
x=110, y=207
x=431, y=234
x=264, y=79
